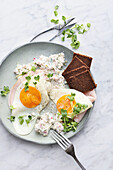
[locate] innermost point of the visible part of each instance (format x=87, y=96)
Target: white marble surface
x=20, y=20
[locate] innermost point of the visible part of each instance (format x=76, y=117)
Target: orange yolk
x=64, y=103
x=30, y=98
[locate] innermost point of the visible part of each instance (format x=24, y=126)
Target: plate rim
x=20, y=46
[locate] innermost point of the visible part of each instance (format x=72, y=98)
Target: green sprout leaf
x=76, y=110
x=88, y=25
x=37, y=78
x=56, y=7
x=74, y=38
x=29, y=119
x=78, y=27
x=82, y=32
x=21, y=120
x=75, y=44
x=6, y=88
x=11, y=118
x=71, y=31
x=35, y=83
x=3, y=93
x=69, y=35
x=50, y=75
x=64, y=19
x=56, y=13
x=28, y=78
x=63, y=32
x=63, y=38
x=23, y=73
x=26, y=87
x=73, y=94
x=58, y=113
x=11, y=107
x=85, y=106
x=6, y=91
x=64, y=112
x=72, y=97
x=55, y=21
x=33, y=68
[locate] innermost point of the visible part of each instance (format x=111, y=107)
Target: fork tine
x=58, y=141
x=66, y=138
x=62, y=137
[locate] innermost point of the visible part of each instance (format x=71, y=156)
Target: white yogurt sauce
x=48, y=65
x=47, y=122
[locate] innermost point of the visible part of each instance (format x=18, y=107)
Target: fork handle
x=42, y=33
x=78, y=162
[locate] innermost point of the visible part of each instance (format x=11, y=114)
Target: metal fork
x=66, y=145
x=58, y=27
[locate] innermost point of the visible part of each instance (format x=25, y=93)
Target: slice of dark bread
x=74, y=72
x=82, y=82
x=86, y=59
x=75, y=63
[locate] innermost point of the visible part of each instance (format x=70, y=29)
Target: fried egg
x=28, y=104
x=61, y=98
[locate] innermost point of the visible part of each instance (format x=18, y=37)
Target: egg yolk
x=64, y=103
x=30, y=98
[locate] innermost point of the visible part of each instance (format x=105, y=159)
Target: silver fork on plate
x=66, y=145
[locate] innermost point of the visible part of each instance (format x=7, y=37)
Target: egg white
x=24, y=129
x=20, y=109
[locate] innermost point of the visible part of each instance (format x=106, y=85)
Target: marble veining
x=19, y=22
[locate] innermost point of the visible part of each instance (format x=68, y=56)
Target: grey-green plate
x=21, y=55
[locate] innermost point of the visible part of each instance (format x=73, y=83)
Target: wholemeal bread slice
x=82, y=82
x=75, y=63
x=74, y=72
x=86, y=59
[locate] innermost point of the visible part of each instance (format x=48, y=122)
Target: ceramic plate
x=24, y=55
